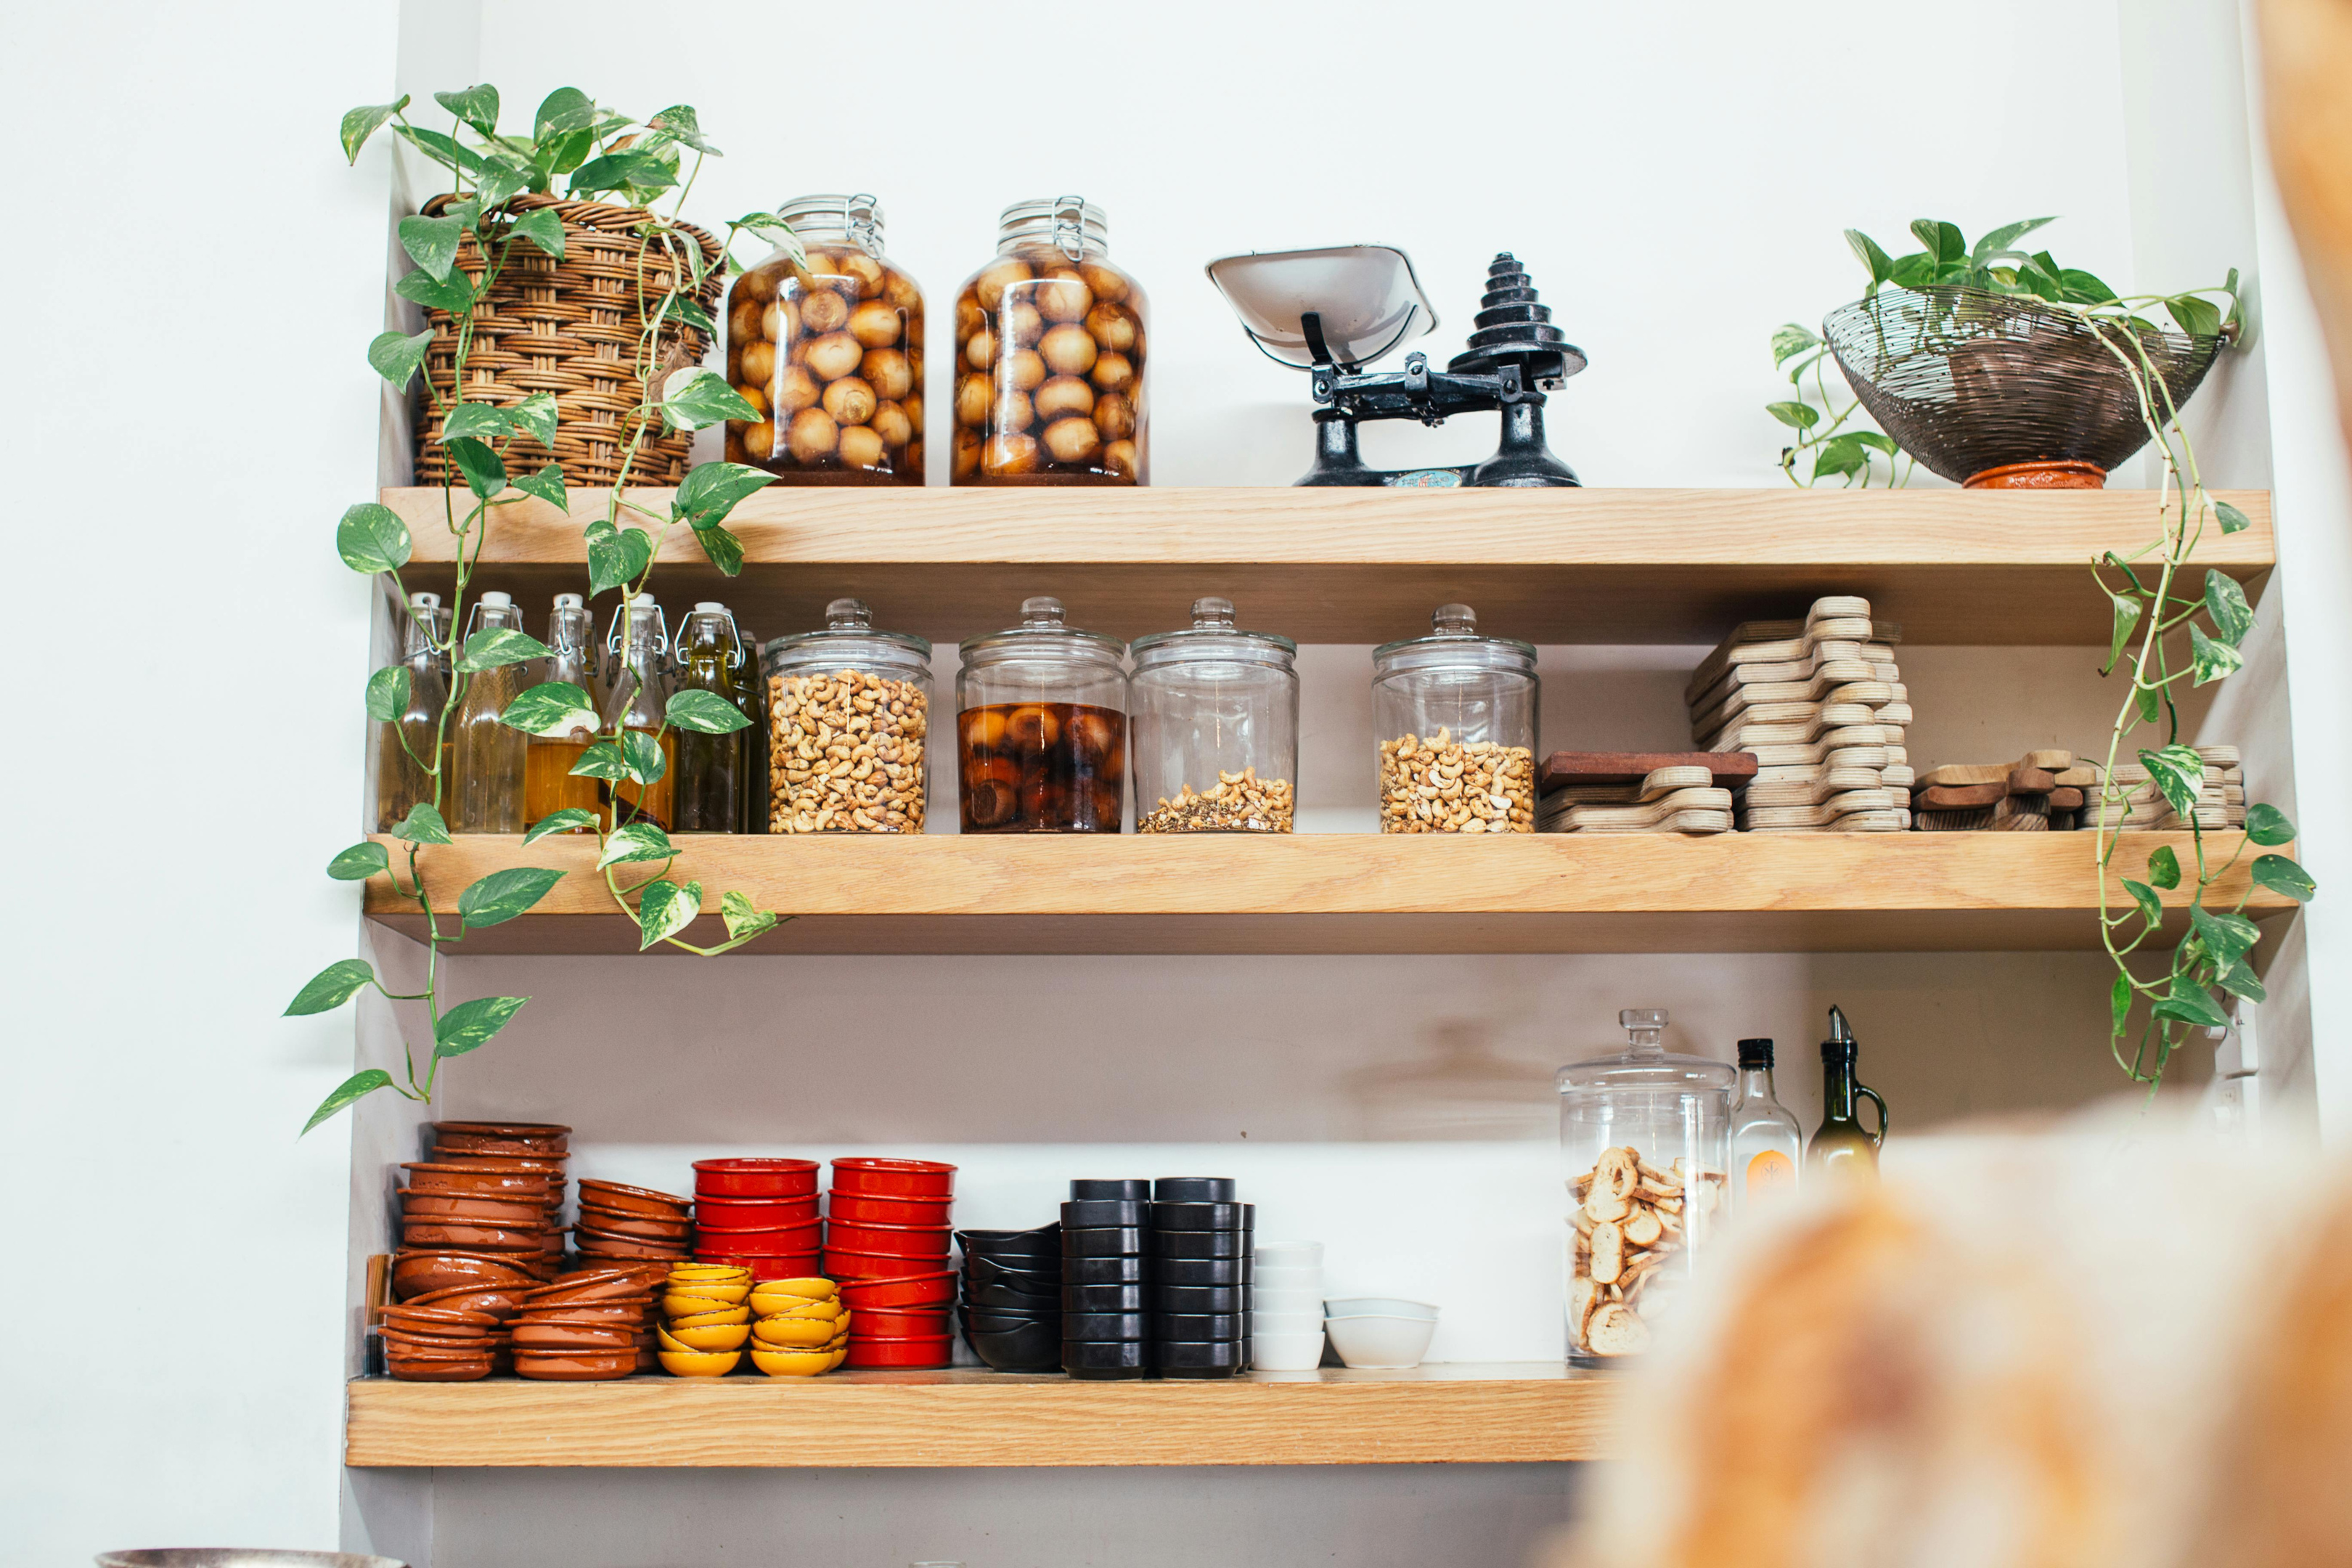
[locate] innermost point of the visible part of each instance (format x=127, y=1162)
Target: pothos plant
x=459, y=255
x=2165, y=630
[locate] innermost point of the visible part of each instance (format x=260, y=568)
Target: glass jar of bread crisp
x=849, y=712
x=1050, y=357
x=830, y=355
x=1645, y=1134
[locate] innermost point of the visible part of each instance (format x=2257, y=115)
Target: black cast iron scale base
x=1514, y=357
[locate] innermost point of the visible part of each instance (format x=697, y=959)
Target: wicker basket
x=1966, y=381
x=570, y=327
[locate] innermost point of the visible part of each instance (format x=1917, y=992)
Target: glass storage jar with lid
x=831, y=356
x=849, y=709
x=1041, y=727
x=1453, y=716
x=1050, y=356
x=1645, y=1135
x=1216, y=737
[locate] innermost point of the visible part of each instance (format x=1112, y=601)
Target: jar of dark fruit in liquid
x=1041, y=728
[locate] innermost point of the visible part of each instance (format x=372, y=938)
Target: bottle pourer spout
x=1840, y=1032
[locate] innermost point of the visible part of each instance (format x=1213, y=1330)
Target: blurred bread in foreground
x=2108, y=1345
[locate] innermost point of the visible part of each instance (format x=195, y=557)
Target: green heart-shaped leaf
x=396, y=355
x=470, y=1025
x=424, y=825
x=571, y=819
x=359, y=124
x=370, y=538
x=362, y=860
x=432, y=243
x=634, y=841
x=331, y=988
x=497, y=647
x=387, y=693
x=502, y=895
x=706, y=713
x=666, y=908
x=553, y=709
x=2281, y=875
x=356, y=1086
x=2266, y=825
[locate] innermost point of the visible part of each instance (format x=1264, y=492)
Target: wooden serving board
x=1662, y=815
x=1726, y=770
x=1759, y=701
x=1841, y=618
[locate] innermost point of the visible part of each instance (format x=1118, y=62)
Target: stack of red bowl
x=760, y=1214
x=486, y=1208
x=887, y=1239
x=620, y=1224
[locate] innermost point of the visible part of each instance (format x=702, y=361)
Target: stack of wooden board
x=2042, y=791
x=1821, y=706
x=2220, y=798
x=1641, y=792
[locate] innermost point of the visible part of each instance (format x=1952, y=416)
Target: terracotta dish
x=551, y=1165
x=526, y=1130
x=499, y=1301
x=414, y=1274
x=533, y=1332
x=576, y=1365
x=522, y=1209
x=595, y=1242
x=409, y=1368
x=627, y=1222
x=470, y=1237
x=418, y=1320
x=439, y=1176
x=635, y=1200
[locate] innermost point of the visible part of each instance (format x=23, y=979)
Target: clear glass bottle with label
x=486, y=756
x=405, y=747
x=1767, y=1146
x=1216, y=737
x=638, y=702
x=548, y=785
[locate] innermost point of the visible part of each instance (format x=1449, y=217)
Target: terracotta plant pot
x=2056, y=474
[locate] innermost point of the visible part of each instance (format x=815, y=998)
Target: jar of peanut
x=1454, y=714
x=1050, y=357
x=849, y=709
x=830, y=353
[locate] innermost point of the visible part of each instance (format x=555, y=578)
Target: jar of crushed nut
x=1454, y=714
x=848, y=711
x=1214, y=717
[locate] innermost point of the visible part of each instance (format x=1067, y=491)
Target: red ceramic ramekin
x=864, y=1208
x=900, y=1291
x=755, y=1178
x=765, y=1238
x=931, y=1350
x=895, y=1240
x=877, y=1323
x=882, y=1178
x=753, y=1213
x=840, y=1265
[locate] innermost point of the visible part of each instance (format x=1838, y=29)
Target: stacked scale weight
x=1107, y=1279
x=1201, y=1264
x=1821, y=705
x=2221, y=798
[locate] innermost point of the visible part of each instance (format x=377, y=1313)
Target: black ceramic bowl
x=1194, y=1358
x=1130, y=1191
x=1042, y=1275
x=1107, y=1325
x=1105, y=1241
x=1204, y=1215
x=1004, y=1298
x=1081, y=1214
x=1046, y=1241
x=1203, y=1325
x=985, y=1322
x=1106, y=1358
x=1195, y=1190
x=1032, y=1347
x=1192, y=1298
x=1107, y=1297
x=1204, y=1271
x=1200, y=1242
x=1108, y=1271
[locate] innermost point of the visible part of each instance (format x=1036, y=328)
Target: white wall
x=196, y=276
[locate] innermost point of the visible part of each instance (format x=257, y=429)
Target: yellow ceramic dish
x=709, y=1271
x=794, y=1307
x=700, y=1363
x=810, y=1286
x=809, y=1332
x=729, y=1292
x=794, y=1363
x=840, y=1354
x=710, y=1320
x=686, y=1304
x=710, y=1337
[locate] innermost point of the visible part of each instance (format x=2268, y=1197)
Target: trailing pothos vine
x=597, y=152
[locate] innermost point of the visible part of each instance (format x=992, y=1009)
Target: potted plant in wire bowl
x=1996, y=367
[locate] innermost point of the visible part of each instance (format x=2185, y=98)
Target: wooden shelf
x=1368, y=565
x=1509, y=1414
x=1347, y=893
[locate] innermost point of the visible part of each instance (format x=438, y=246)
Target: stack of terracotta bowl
x=442, y=1344
x=486, y=1209
x=589, y=1326
x=887, y=1219
x=708, y=1321
x=620, y=1224
x=760, y=1214
x=803, y=1329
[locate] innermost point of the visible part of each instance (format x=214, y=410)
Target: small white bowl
x=1293, y=1352
x=1290, y=1254
x=1377, y=1339
x=1262, y=1322
x=1378, y=1307
x=1286, y=1299
x=1267, y=1277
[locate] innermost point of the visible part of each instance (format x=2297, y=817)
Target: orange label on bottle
x=1771, y=1173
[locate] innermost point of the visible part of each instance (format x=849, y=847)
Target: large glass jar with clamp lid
x=1215, y=717
x=1050, y=355
x=1454, y=718
x=830, y=353
x=1644, y=1134
x=1041, y=728
x=849, y=715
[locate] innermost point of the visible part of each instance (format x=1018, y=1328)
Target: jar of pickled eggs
x=831, y=353
x=1050, y=356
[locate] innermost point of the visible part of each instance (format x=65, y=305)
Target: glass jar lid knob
x=1642, y=1026
x=1212, y=614
x=848, y=615
x=1461, y=620
x=1042, y=613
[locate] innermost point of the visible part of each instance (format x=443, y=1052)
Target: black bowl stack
x=1012, y=1306
x=1107, y=1279
x=1200, y=1268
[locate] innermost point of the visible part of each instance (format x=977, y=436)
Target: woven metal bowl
x=1966, y=381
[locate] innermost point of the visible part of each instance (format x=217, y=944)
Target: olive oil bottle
x=1841, y=1148
x=638, y=702
x=548, y=785
x=404, y=772
x=486, y=755
x=713, y=771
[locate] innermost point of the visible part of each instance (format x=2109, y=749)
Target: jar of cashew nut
x=1454, y=720
x=830, y=353
x=1645, y=1137
x=850, y=714
x=1050, y=357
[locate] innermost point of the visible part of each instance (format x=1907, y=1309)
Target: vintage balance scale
x=1335, y=311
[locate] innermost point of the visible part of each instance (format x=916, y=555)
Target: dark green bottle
x=1841, y=1148
x=713, y=771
